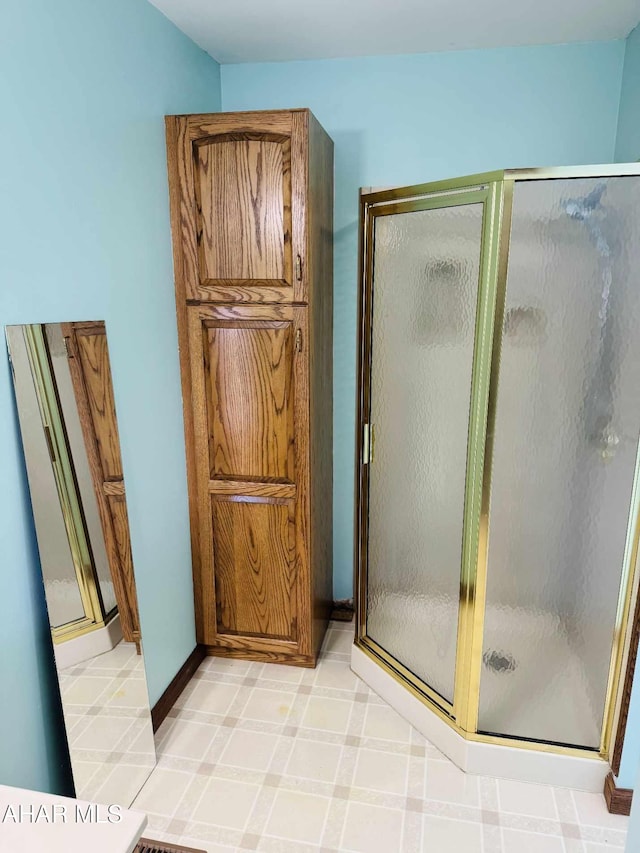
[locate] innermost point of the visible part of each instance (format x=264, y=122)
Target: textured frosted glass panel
x=75, y=439
x=426, y=271
x=568, y=416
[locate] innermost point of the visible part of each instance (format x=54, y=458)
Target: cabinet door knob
x=298, y=268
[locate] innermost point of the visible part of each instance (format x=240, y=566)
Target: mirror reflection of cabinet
x=88, y=356
x=66, y=409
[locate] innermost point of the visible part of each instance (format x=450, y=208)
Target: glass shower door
x=425, y=262
x=566, y=441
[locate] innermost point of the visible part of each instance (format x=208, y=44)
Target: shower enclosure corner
x=498, y=424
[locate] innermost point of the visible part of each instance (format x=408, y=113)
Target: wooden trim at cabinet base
x=170, y=696
x=342, y=610
x=618, y=800
x=264, y=656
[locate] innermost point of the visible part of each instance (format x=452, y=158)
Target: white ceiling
x=278, y=30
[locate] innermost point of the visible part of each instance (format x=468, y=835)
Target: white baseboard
x=87, y=646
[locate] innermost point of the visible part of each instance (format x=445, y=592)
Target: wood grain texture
x=233, y=209
x=205, y=125
x=255, y=354
x=254, y=547
x=249, y=650
x=251, y=313
x=243, y=191
x=248, y=376
x=91, y=379
x=94, y=358
x=303, y=508
x=247, y=488
x=320, y=290
x=199, y=475
x=113, y=487
x=178, y=202
x=230, y=291
x=300, y=202
x=618, y=800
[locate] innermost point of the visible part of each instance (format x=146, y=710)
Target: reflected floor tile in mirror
x=106, y=708
x=66, y=408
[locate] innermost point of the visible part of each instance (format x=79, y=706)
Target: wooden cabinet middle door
x=244, y=184
x=247, y=363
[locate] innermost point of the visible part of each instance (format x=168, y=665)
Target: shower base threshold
x=482, y=759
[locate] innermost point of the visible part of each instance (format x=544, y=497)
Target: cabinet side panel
x=177, y=144
x=320, y=264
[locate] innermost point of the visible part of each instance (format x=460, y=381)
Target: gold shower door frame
x=495, y=191
x=53, y=426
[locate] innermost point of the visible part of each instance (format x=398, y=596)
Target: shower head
x=582, y=208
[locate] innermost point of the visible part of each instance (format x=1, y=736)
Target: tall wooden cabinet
x=251, y=208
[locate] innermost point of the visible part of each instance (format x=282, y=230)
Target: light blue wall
x=408, y=119
x=628, y=150
x=628, y=139
x=84, y=234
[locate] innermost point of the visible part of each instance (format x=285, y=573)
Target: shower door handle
x=368, y=439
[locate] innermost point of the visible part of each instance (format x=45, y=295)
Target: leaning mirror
x=66, y=409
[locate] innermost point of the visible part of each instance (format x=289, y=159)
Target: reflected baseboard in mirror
x=66, y=409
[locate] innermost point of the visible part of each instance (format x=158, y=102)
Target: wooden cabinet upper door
x=242, y=213
x=248, y=364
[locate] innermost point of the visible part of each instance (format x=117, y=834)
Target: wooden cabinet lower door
x=249, y=378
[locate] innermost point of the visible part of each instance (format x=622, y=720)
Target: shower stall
x=497, y=493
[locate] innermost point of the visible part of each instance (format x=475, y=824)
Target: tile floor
x=274, y=758
x=106, y=711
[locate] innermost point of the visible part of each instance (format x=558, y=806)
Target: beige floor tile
x=592, y=811
x=443, y=835
x=526, y=799
x=515, y=841
x=86, y=690
x=384, y=723
x=270, y=706
x=299, y=817
x=280, y=672
x=287, y=772
x=371, y=829
x=327, y=714
x=314, y=760
x=226, y=803
x=338, y=642
x=381, y=771
x=103, y=733
x=162, y=792
x=448, y=783
x=122, y=785
x=251, y=750
x=127, y=693
x=335, y=674
x=209, y=696
x=188, y=740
